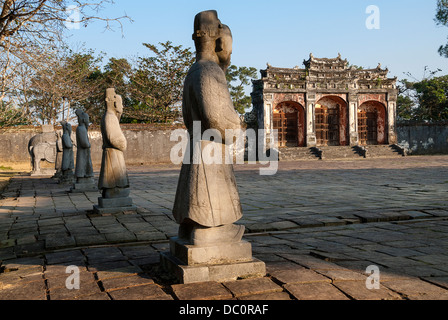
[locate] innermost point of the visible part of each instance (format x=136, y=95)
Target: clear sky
x=285, y=32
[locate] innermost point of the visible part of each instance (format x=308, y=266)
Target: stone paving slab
x=317, y=225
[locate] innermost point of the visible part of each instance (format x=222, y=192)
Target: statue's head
x=212, y=38
x=114, y=102
x=224, y=47
x=86, y=119
x=207, y=28
x=79, y=114
x=83, y=118
x=66, y=127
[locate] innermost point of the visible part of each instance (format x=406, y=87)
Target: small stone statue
x=68, y=163
x=42, y=147
x=59, y=153
x=207, y=202
x=84, y=169
x=113, y=180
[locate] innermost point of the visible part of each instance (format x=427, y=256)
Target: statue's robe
x=68, y=162
x=207, y=193
x=113, y=172
x=84, y=167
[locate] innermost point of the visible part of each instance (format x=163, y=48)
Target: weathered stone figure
x=68, y=163
x=207, y=202
x=209, y=246
x=113, y=180
x=59, y=153
x=42, y=147
x=84, y=168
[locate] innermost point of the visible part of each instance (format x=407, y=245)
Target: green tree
x=64, y=83
x=432, y=97
x=115, y=74
x=424, y=100
x=442, y=19
x=406, y=100
x=30, y=33
x=156, y=84
x=238, y=79
x=11, y=115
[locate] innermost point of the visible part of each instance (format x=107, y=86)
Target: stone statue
x=209, y=246
x=113, y=180
x=59, y=153
x=68, y=163
x=207, y=202
x=84, y=169
x=42, y=147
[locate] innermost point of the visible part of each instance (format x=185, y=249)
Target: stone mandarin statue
x=113, y=181
x=209, y=246
x=68, y=163
x=59, y=154
x=84, y=169
x=207, y=202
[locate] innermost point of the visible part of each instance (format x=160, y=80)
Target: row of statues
x=113, y=180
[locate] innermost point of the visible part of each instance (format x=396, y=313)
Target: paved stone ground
x=318, y=225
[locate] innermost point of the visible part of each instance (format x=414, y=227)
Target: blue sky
x=284, y=32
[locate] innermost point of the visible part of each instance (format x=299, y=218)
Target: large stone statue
x=68, y=163
x=113, y=180
x=84, y=169
x=207, y=202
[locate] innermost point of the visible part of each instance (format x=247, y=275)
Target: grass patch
x=6, y=173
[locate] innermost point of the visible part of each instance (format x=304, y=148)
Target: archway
x=289, y=120
x=372, y=123
x=331, y=119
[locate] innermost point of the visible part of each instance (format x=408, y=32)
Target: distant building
x=328, y=103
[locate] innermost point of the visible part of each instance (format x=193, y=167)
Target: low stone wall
x=147, y=144
x=423, y=138
x=150, y=144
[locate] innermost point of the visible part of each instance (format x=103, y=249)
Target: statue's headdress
x=207, y=25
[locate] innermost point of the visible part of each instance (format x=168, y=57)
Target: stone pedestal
x=67, y=177
x=84, y=185
x=43, y=173
x=113, y=205
x=224, y=262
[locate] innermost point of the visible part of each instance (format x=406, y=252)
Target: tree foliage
x=442, y=19
x=31, y=35
x=42, y=21
x=425, y=99
x=156, y=83
x=238, y=79
x=66, y=82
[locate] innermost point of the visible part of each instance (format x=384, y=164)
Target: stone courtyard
x=317, y=225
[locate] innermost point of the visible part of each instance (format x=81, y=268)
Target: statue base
x=43, y=173
x=113, y=205
x=67, y=177
x=84, y=185
x=225, y=262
